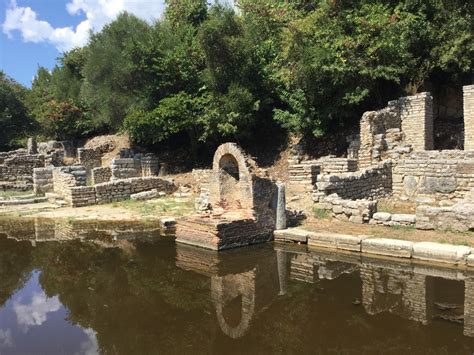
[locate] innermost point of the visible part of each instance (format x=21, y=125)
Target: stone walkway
x=426, y=251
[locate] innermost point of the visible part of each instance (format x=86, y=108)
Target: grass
x=161, y=206
x=320, y=213
x=14, y=194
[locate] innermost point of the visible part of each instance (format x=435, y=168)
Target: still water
x=77, y=288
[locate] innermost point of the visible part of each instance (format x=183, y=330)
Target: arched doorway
x=229, y=181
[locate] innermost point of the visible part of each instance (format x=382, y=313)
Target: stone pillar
x=31, y=146
x=468, y=101
x=416, y=113
x=280, y=222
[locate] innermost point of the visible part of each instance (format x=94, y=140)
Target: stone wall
x=100, y=175
x=371, y=183
x=468, y=97
x=124, y=168
x=67, y=177
x=416, y=113
x=18, y=166
x=433, y=175
x=150, y=165
x=303, y=176
x=359, y=211
x=117, y=190
x=42, y=180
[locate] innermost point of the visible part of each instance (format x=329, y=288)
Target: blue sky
x=35, y=32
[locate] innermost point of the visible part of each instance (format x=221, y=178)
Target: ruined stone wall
x=416, y=113
x=67, y=177
x=371, y=183
x=42, y=180
x=359, y=211
x=100, y=175
x=468, y=97
x=18, y=166
x=117, y=190
x=434, y=175
x=124, y=168
x=373, y=126
x=149, y=165
x=303, y=176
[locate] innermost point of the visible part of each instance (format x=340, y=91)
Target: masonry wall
x=117, y=190
x=434, y=175
x=416, y=113
x=149, y=165
x=19, y=166
x=468, y=98
x=65, y=178
x=124, y=168
x=371, y=183
x=100, y=175
x=42, y=180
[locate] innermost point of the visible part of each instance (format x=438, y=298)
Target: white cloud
x=98, y=13
x=89, y=346
x=36, y=312
x=6, y=340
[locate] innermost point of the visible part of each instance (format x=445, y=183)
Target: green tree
x=110, y=82
x=183, y=12
x=14, y=118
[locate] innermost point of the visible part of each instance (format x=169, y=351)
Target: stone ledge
x=291, y=235
x=388, y=247
x=441, y=252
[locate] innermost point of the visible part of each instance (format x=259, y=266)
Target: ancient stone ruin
x=238, y=204
x=394, y=158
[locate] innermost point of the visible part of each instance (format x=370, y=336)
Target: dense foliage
x=210, y=73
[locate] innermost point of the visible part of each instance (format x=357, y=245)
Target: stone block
x=291, y=235
x=349, y=242
x=322, y=239
x=388, y=247
x=382, y=216
x=404, y=218
x=445, y=253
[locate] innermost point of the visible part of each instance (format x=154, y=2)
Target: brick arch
x=232, y=178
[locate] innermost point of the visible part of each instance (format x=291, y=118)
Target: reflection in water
x=101, y=292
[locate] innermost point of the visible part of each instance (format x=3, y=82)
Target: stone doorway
x=229, y=182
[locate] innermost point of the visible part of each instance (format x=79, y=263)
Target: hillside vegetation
x=205, y=74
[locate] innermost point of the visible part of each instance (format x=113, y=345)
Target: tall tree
x=14, y=118
x=110, y=83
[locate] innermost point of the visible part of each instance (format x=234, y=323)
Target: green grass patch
x=164, y=205
x=15, y=195
x=320, y=213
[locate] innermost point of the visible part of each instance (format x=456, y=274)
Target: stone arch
x=232, y=180
x=227, y=288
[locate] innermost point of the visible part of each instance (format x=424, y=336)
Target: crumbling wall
x=16, y=168
x=416, y=113
x=43, y=180
x=371, y=183
x=124, y=168
x=100, y=175
x=150, y=165
x=117, y=190
x=433, y=175
x=67, y=177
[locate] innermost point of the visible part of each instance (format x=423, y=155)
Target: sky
x=35, y=32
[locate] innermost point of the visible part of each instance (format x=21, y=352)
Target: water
x=85, y=288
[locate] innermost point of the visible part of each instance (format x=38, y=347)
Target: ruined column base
x=219, y=234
